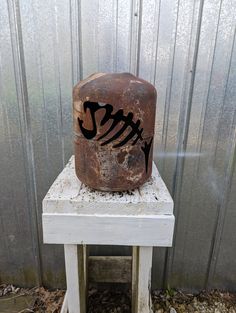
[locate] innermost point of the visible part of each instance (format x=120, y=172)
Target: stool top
x=68, y=195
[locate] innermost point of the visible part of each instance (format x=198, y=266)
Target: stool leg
x=83, y=276
x=141, y=279
x=72, y=278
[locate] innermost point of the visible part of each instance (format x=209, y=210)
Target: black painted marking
x=146, y=150
x=89, y=134
x=117, y=118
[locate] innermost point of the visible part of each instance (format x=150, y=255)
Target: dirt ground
x=40, y=300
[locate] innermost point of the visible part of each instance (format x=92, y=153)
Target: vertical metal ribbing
x=182, y=138
x=155, y=50
x=208, y=90
x=76, y=41
x=168, y=254
x=42, y=87
x=222, y=206
x=58, y=79
x=168, y=90
x=222, y=201
x=97, y=46
x=25, y=124
x=135, y=36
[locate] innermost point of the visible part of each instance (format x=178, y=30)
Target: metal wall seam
x=155, y=51
x=42, y=89
x=76, y=41
x=210, y=78
x=168, y=89
x=58, y=80
x=135, y=32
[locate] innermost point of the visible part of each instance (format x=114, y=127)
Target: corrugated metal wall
x=187, y=49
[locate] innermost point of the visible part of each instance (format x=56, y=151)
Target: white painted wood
x=145, y=230
x=64, y=308
x=143, y=297
x=72, y=278
x=68, y=195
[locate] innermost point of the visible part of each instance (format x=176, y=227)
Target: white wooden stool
x=76, y=216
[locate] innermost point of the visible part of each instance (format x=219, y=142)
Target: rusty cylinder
x=114, y=119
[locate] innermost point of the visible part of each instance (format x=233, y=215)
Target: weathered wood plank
x=110, y=269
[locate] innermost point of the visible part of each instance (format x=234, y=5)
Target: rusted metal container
x=114, y=119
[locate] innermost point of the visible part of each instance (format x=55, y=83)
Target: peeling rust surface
x=114, y=118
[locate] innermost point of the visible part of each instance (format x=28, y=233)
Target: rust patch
x=121, y=156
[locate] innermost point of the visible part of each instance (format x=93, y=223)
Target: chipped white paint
x=69, y=195
x=74, y=214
